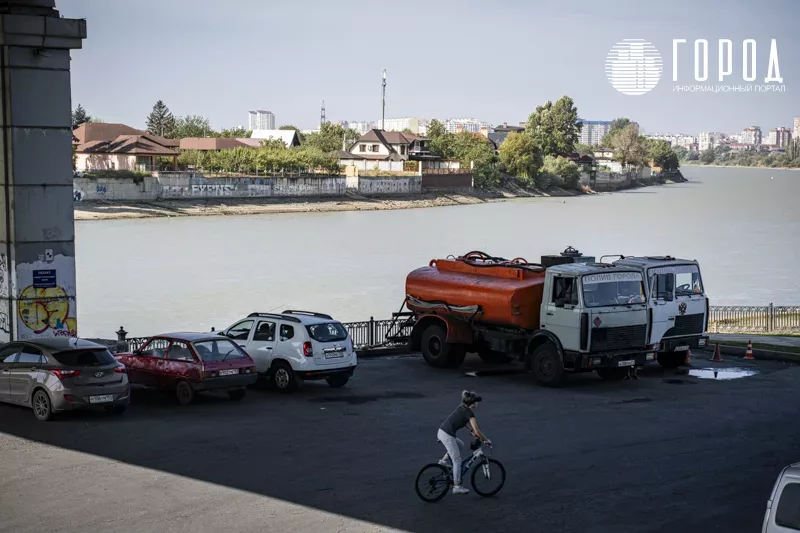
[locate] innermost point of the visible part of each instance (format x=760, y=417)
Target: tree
x=708, y=156
x=407, y=130
x=584, y=149
x=618, y=124
x=192, y=126
x=682, y=152
x=79, y=116
x=562, y=172
x=555, y=128
x=662, y=155
x=331, y=137
x=160, y=121
x=520, y=156
x=441, y=142
x=236, y=133
x=628, y=146
x=793, y=150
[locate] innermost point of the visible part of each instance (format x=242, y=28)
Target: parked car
x=187, y=363
x=291, y=347
x=51, y=375
x=783, y=506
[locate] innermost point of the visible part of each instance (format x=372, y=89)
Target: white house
x=289, y=137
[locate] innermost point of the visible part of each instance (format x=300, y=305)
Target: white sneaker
x=460, y=490
x=444, y=463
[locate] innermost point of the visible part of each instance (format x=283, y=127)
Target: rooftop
x=128, y=144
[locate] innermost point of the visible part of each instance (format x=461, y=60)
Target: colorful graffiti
x=41, y=310
x=77, y=195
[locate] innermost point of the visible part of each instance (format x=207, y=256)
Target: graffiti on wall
x=46, y=305
x=77, y=195
x=4, y=279
x=101, y=189
x=217, y=189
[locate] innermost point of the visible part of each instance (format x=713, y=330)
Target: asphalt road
x=668, y=452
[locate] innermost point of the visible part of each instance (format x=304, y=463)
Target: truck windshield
x=614, y=288
x=687, y=278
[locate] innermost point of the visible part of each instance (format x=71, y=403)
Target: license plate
x=681, y=348
x=334, y=355
x=101, y=399
x=626, y=363
x=230, y=372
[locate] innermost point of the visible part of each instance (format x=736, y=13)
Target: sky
x=495, y=61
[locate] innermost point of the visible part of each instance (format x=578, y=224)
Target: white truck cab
x=679, y=307
x=783, y=506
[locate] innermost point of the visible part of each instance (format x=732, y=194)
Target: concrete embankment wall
x=384, y=185
x=187, y=185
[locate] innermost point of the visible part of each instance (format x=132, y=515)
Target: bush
x=562, y=172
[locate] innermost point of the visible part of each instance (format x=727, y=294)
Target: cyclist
x=458, y=419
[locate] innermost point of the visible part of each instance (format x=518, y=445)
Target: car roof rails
x=274, y=316
x=307, y=313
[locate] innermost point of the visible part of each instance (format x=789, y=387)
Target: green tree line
x=272, y=157
x=723, y=155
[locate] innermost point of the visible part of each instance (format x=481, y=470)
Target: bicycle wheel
x=433, y=482
x=488, y=477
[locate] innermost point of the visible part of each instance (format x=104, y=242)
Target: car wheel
x=438, y=352
x=184, y=393
x=42, y=407
x=546, y=366
x=237, y=394
x=284, y=378
x=337, y=382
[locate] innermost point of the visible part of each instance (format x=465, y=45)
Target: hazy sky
x=495, y=61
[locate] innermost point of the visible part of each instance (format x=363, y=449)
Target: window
x=663, y=286
x=687, y=281
x=85, y=358
x=179, y=351
x=362, y=147
x=220, y=350
x=375, y=148
x=265, y=332
x=287, y=332
x=9, y=353
x=155, y=348
x=600, y=290
x=330, y=332
x=31, y=356
x=565, y=292
x=788, y=513
x=402, y=149
x=241, y=330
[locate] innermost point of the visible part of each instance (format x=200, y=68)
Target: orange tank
x=506, y=294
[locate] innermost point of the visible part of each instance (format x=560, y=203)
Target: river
x=167, y=274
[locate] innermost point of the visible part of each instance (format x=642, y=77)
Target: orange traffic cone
x=717, y=356
x=749, y=353
x=688, y=360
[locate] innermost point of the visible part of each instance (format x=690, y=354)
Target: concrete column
x=37, y=229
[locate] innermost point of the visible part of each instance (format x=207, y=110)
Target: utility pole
x=383, y=101
x=322, y=115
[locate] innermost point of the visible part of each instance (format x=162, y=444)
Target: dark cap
x=469, y=397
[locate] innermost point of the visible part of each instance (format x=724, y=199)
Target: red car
x=190, y=362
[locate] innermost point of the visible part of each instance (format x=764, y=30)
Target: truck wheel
x=492, y=357
x=671, y=359
x=612, y=374
x=546, y=366
x=437, y=352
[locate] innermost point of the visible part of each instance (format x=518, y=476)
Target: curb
x=382, y=352
x=758, y=353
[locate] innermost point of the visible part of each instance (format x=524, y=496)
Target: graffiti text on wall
x=213, y=188
x=47, y=310
x=77, y=195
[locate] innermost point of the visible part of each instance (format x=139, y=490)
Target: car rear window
x=788, y=513
x=329, y=332
x=85, y=358
x=221, y=350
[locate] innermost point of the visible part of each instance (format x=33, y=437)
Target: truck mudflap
x=681, y=344
x=594, y=361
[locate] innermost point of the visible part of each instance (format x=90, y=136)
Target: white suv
x=294, y=346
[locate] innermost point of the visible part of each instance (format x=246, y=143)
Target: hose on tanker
x=487, y=261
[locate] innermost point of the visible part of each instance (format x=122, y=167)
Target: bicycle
x=434, y=480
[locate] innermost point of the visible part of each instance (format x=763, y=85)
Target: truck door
x=562, y=314
x=662, y=304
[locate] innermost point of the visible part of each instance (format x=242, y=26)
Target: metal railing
x=754, y=319
x=375, y=334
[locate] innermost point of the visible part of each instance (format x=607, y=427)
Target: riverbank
x=693, y=165
x=109, y=210
x=259, y=206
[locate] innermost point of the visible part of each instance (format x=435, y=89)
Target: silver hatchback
x=51, y=375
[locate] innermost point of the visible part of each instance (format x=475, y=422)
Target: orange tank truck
x=505, y=310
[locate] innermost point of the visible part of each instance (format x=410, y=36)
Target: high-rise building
x=593, y=131
x=796, y=133
x=399, y=124
x=751, y=135
x=709, y=139
x=361, y=127
x=779, y=137
x=261, y=120
x=457, y=125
